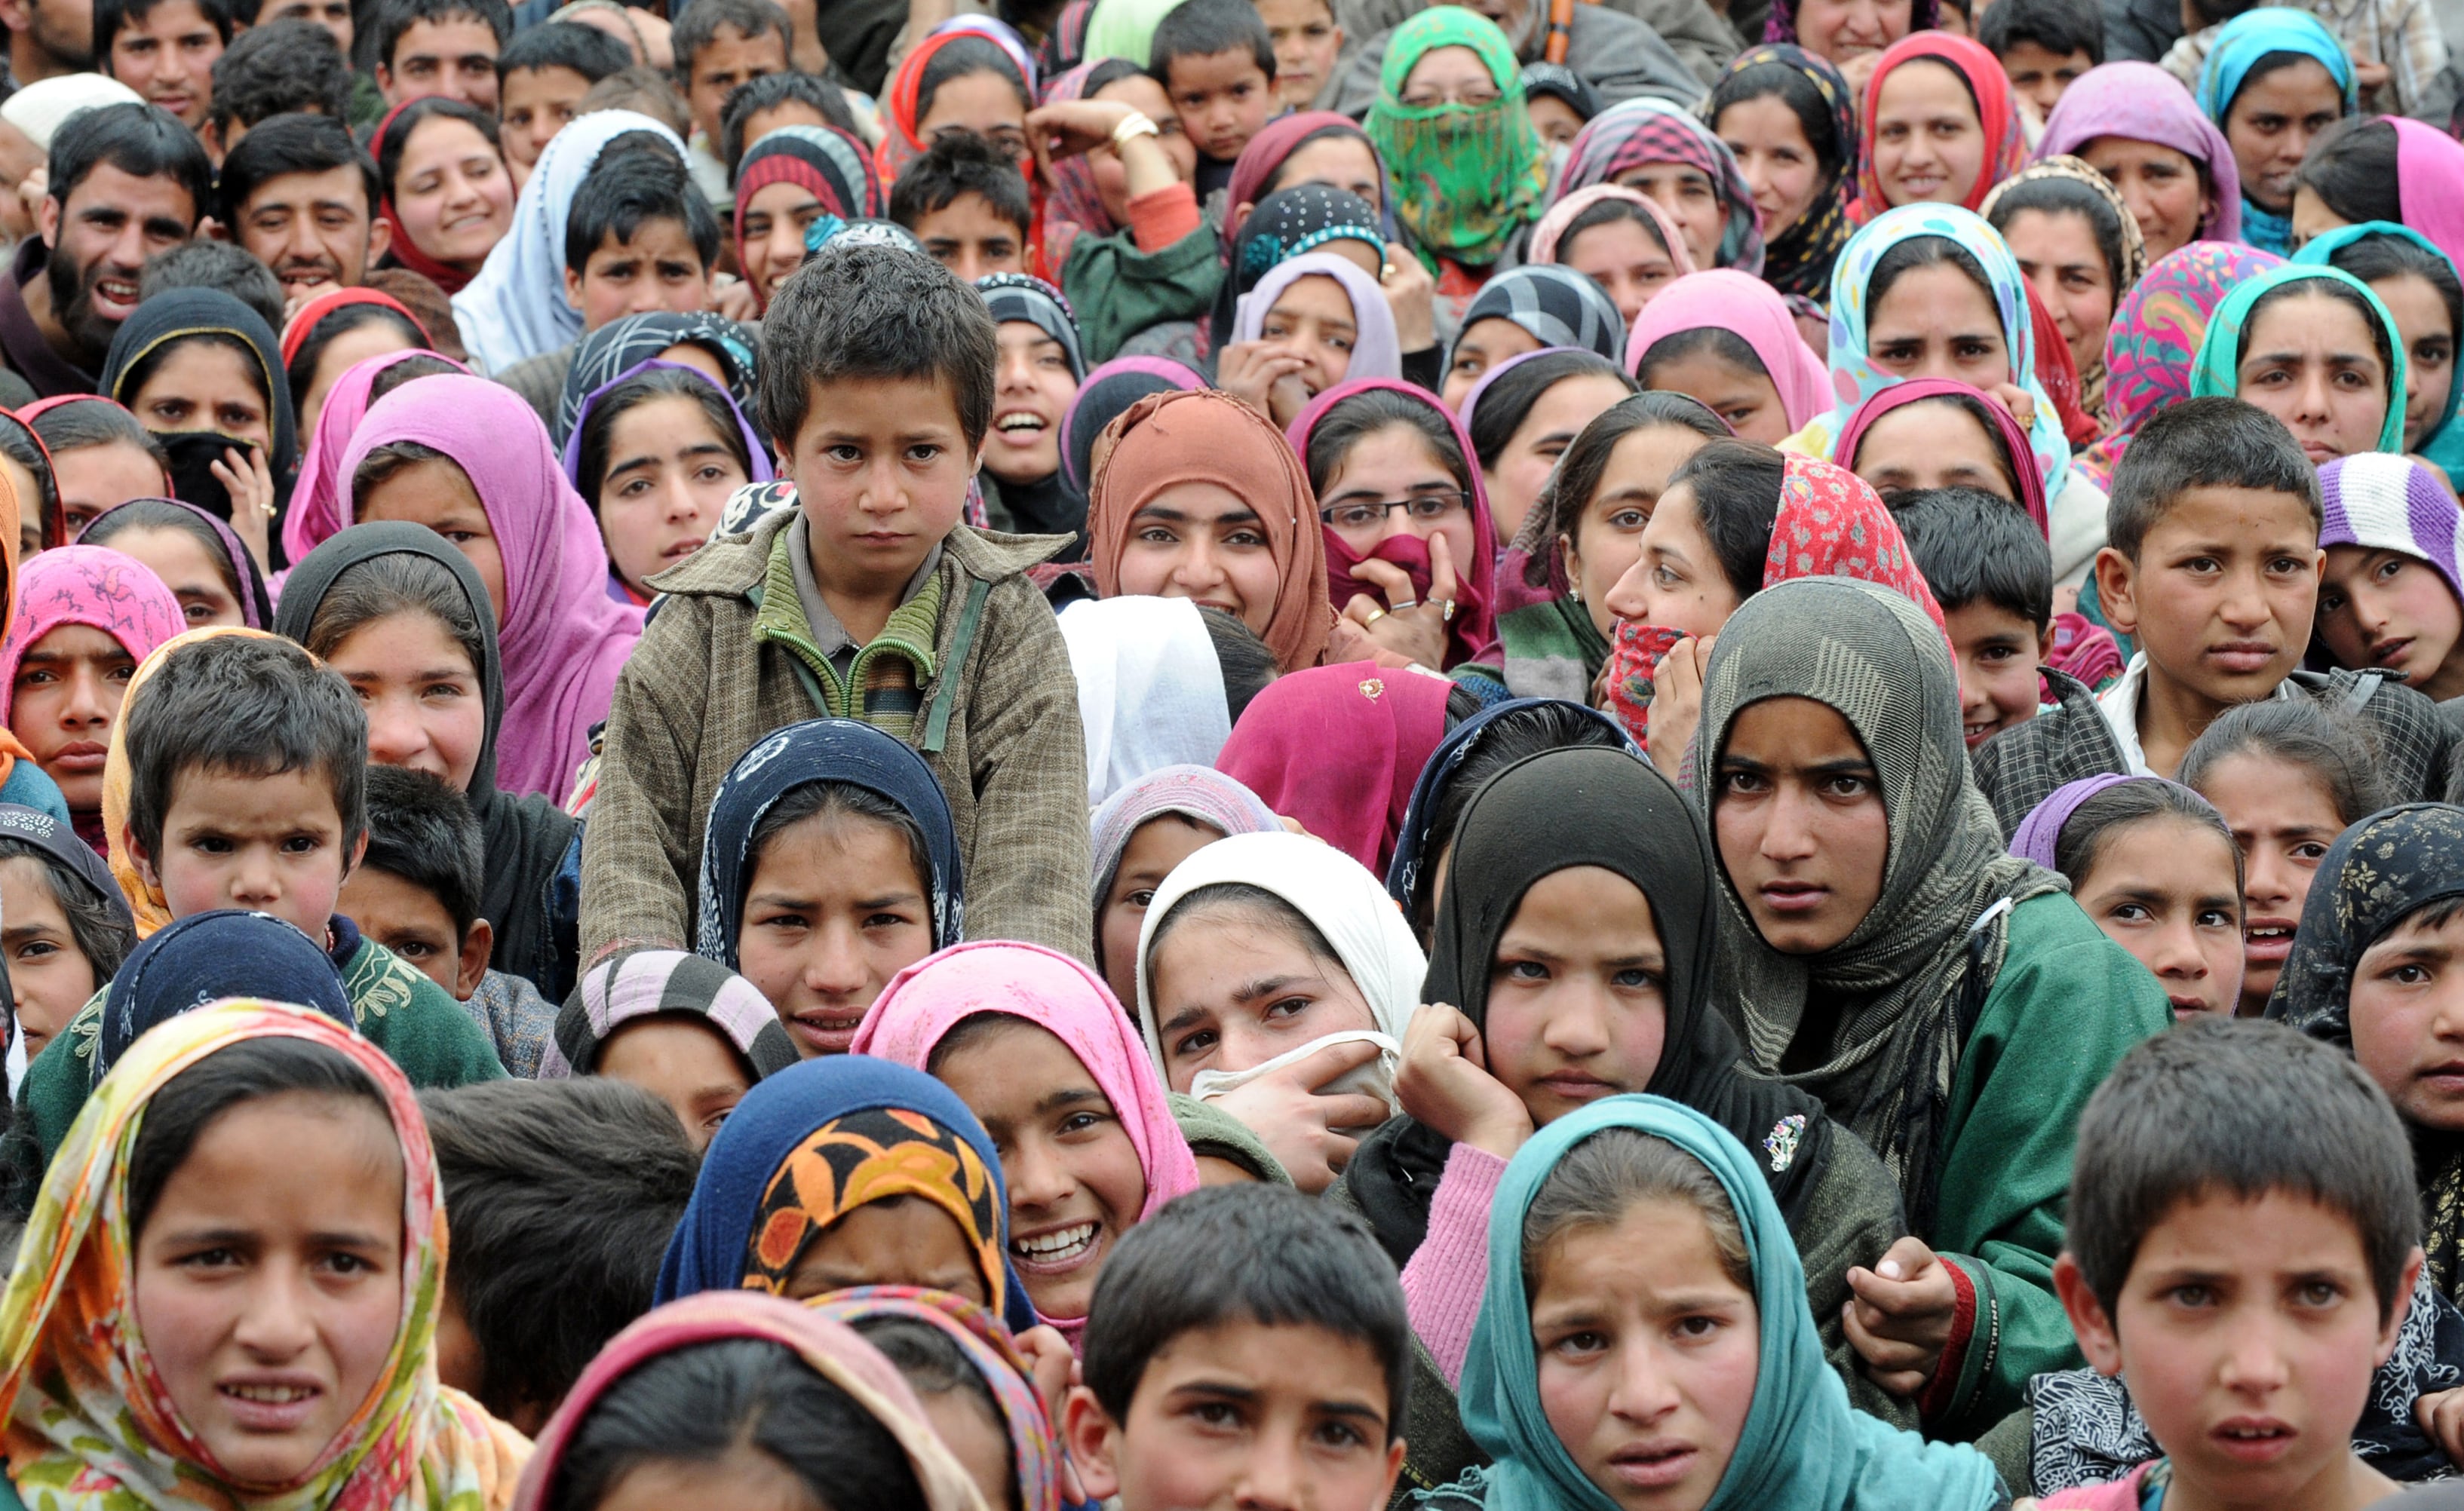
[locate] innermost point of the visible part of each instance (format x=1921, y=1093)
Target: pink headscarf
x=1339, y=749
x=564, y=639
x=1550, y=228
x=2007, y=434
x=922, y=1003
x=2429, y=184
x=318, y=508
x=1753, y=311
x=92, y=585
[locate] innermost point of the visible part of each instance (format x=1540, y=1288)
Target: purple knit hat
x=2385, y=502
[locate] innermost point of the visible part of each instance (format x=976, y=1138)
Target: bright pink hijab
x=924, y=1002
x=2007, y=434
x=318, y=510
x=1339, y=748
x=1753, y=311
x=2429, y=173
x=92, y=585
x=564, y=639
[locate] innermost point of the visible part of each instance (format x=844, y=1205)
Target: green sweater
x=1118, y=290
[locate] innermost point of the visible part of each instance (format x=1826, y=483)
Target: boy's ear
x=478, y=943
x=1394, y=1468
x=2117, y=590
x=2395, y=1313
x=2045, y=643
x=359, y=853
x=137, y=854
x=2097, y=1338
x=1091, y=1436
x=573, y=288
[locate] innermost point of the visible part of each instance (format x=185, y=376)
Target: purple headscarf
x=2385, y=502
x=1379, y=352
x=2142, y=102
x=2041, y=832
x=753, y=446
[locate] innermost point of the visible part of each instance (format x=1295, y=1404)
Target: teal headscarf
x=2444, y=445
x=2216, y=373
x=2243, y=41
x=1804, y=1447
x=1465, y=178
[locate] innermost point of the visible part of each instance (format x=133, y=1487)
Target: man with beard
x=126, y=182
x=302, y=195
x=47, y=38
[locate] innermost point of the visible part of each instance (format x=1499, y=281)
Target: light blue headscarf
x=2216, y=371
x=1804, y=1447
x=2444, y=445
x=2243, y=41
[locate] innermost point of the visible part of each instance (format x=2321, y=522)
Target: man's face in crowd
x=334, y=16
x=62, y=32
x=313, y=229
x=167, y=54
x=455, y=58
x=99, y=239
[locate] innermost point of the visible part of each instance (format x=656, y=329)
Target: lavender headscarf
x=1378, y=352
x=2387, y=502
x=2142, y=102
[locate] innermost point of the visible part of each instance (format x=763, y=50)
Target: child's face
x=94, y=478
x=1931, y=443
x=1483, y=345
x=1648, y=1352
x=1307, y=40
x=49, y=974
x=1244, y=1414
x=1577, y=994
x=1999, y=653
x=1676, y=581
x=728, y=58
x=660, y=269
x=309, y=1189
x=1035, y=390
x=2041, y=74
x=2248, y=1332
x=881, y=467
x=408, y=919
x=1201, y=540
x=537, y=103
x=1232, y=990
x=1222, y=98
x=2163, y=889
x=1313, y=319
x=1797, y=814
x=2408, y=1018
x=1556, y=120
x=1608, y=537
x=426, y=708
x=984, y=103
x=2310, y=360
x=2223, y=593
x=2384, y=608
x=62, y=706
x=269, y=843
x=437, y=493
x=2282, y=819
x=2429, y=340
x=971, y=238
x=682, y=1061
x=669, y=472
x=1075, y=1184
x=897, y=1241
x=167, y=55
x=833, y=910
x=1622, y=257
x=776, y=216
x=1748, y=400
x=1160, y=845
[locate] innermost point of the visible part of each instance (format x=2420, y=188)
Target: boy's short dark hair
x=1203, y=28
x=643, y=89
x=585, y=50
x=629, y=193
x=1249, y=1253
x=292, y=143
x=394, y=17
x=277, y=69
x=2203, y=443
x=141, y=141
x=422, y=832
x=767, y=93
x=961, y=163
x=250, y=706
x=2246, y=1108
x=562, y=1192
x=110, y=16
x=1974, y=547
x=699, y=26
x=875, y=312
x=2061, y=27
x=208, y=264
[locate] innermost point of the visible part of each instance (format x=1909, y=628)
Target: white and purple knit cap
x=2385, y=502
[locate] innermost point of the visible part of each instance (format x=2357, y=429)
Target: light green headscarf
x=1465, y=177
x=1804, y=1447
x=2217, y=372
x=1126, y=28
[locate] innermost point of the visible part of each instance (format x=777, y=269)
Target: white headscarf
x=516, y=308
x=1150, y=688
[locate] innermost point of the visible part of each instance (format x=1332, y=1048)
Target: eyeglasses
x=1364, y=516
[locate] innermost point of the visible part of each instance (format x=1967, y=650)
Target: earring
x=1576, y=593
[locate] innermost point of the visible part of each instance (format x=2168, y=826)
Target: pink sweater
x=1449, y=1271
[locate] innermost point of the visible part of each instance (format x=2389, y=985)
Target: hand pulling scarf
x=321, y=502
x=1339, y=748
x=2429, y=165
x=565, y=639
x=1168, y=439
x=1199, y=794
x=820, y=1139
x=607, y=353
x=2155, y=339
x=1150, y=687
x=832, y=165
x=90, y=586
x=1997, y=115
x=1803, y=1448
x=2238, y=44
x=213, y=957
x=400, y=249
x=2134, y=249
x=1750, y=309
x=1465, y=178
x=1554, y=305
x=514, y=307
x=1034, y=1445
x=303, y=321
x=1798, y=260
x=1342, y=901
x=824, y=1342
x=1103, y=394
x=2142, y=102
x=636, y=984
x=1548, y=232
x=523, y=836
x=920, y=1006
x=1017, y=297
x=1377, y=351
x=1642, y=132
x=2383, y=501
x=1473, y=630
x=175, y=314
x=1876, y=1009
x=800, y=755
x=255, y=601
x=1437, y=778
x=2216, y=373
x=2444, y=445
x=2007, y=436
x=90, y=1420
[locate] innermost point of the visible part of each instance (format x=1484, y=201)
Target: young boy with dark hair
x=281, y=68
x=966, y=203
x=1239, y=1323
x=561, y=1196
x=2044, y=45
x=164, y=49
x=417, y=893
x=721, y=45
x=209, y=264
x=1993, y=574
x=1215, y=61
x=2211, y=564
x=871, y=601
x=2241, y=1246
x=645, y=90
x=763, y=105
x=440, y=47
x=1308, y=39
x=542, y=76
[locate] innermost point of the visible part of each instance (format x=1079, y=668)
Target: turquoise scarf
x=2444, y=445
x=2217, y=372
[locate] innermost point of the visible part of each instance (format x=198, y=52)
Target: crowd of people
x=687, y=816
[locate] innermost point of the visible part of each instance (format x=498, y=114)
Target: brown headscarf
x=1209, y=437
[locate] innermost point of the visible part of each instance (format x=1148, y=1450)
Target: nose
x=2310, y=399
x=91, y=704
x=1789, y=836
x=835, y=968
x=1037, y=1181
x=1629, y=596
x=2254, y=1365
x=2176, y=953
x=1273, y=1475
x=1197, y=570
x=253, y=881
x=1395, y=522
x=783, y=251
x=394, y=733
x=680, y=504
x=1643, y=1393
x=2267, y=880
x=275, y=1324
x=1017, y=373
x=2245, y=601
x=884, y=490
x=1577, y=1025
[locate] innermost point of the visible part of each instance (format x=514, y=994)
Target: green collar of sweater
x=908, y=636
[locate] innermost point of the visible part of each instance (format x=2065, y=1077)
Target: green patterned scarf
x=1465, y=177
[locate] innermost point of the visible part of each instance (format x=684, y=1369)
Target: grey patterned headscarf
x=1885, y=1003
x=1556, y=305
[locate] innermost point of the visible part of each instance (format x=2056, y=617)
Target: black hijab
x=525, y=838
x=177, y=314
